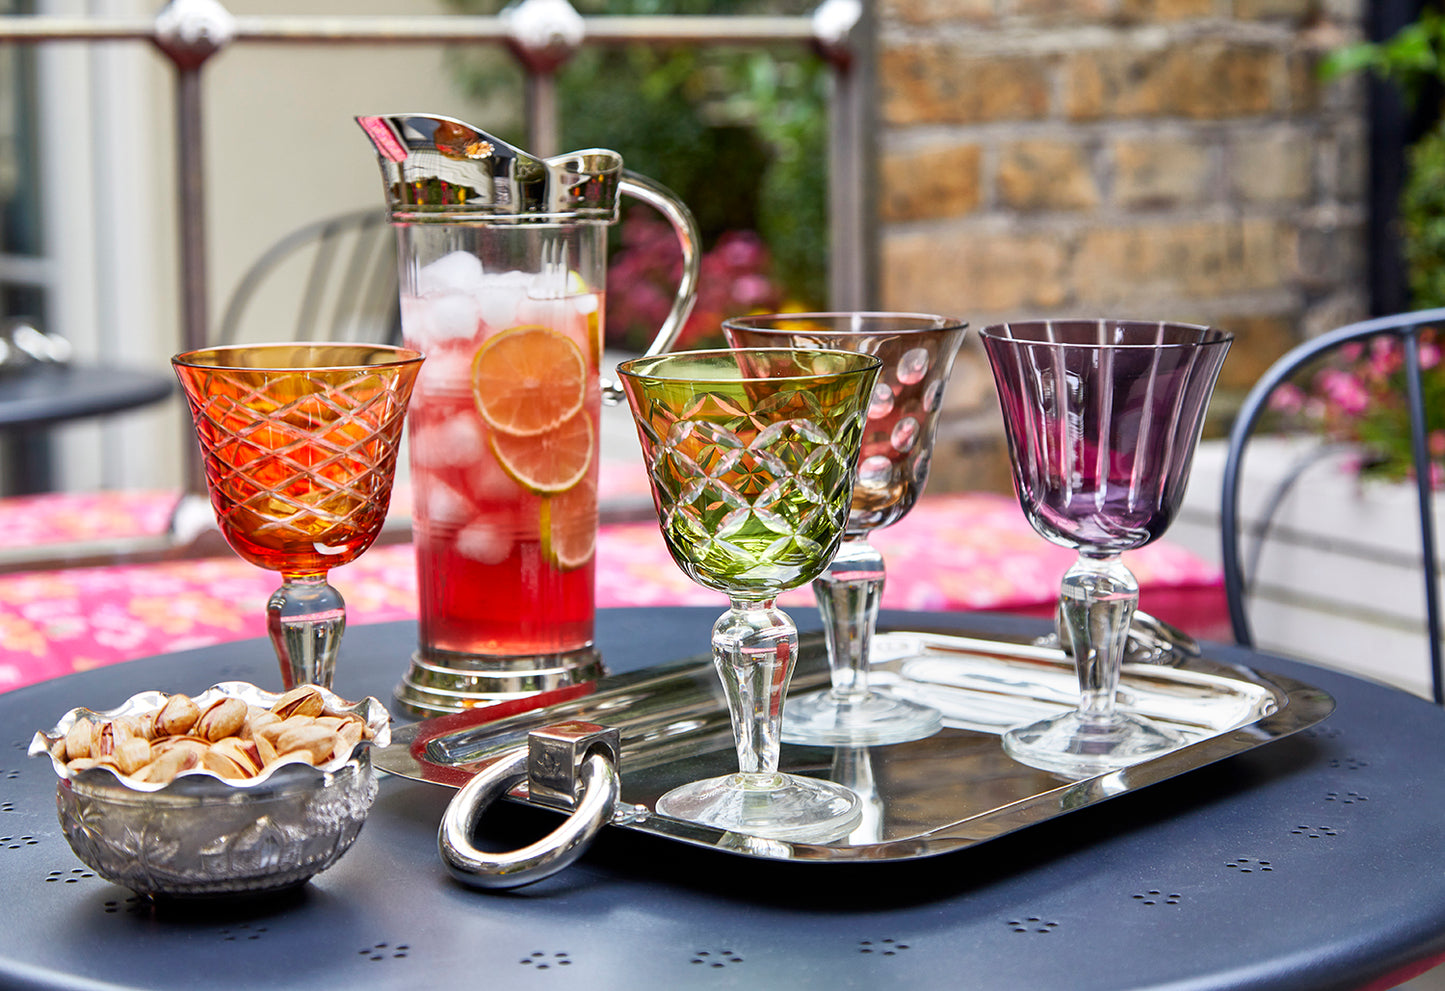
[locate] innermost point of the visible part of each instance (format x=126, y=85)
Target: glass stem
x=1098, y=598
x=306, y=618
x=848, y=594
x=754, y=646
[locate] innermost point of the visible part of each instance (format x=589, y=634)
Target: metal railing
x=541, y=35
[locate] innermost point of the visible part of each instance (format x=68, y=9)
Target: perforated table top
x=1314, y=862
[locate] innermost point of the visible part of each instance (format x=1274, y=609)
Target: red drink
x=503, y=442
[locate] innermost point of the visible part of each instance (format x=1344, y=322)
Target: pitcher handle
x=662, y=199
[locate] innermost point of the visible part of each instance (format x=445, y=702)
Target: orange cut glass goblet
x=300, y=444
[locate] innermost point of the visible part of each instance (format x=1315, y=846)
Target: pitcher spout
x=442, y=170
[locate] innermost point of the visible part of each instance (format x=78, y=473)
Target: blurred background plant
x=1413, y=59
x=1358, y=397
x=738, y=134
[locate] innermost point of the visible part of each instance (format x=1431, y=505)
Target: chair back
x=1406, y=329
x=337, y=275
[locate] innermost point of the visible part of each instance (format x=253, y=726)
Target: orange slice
x=528, y=380
x=550, y=462
x=569, y=525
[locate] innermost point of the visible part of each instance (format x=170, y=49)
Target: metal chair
x=1406, y=328
x=349, y=289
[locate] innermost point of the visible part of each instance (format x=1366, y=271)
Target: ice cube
x=555, y=313
x=415, y=322
x=483, y=541
x=499, y=295
x=488, y=481
x=446, y=371
x=459, y=272
x=452, y=442
x=453, y=317
x=439, y=505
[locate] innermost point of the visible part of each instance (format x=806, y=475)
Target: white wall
x=281, y=149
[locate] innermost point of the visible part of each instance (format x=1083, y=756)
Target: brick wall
x=1146, y=158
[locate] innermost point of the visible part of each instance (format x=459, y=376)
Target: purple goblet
x=1102, y=417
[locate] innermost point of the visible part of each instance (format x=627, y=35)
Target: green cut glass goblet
x=751, y=453
x=917, y=351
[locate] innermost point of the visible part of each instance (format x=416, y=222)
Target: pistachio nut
x=164, y=768
x=243, y=752
x=222, y=718
x=317, y=742
x=77, y=739
x=176, y=717
x=304, y=700
x=132, y=754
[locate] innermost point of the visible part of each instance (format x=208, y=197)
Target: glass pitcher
x=503, y=268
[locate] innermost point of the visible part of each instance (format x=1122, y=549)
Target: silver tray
x=950, y=791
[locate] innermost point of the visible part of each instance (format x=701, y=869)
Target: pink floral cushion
x=970, y=551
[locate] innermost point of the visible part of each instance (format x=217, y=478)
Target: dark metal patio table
x=1312, y=862
x=37, y=397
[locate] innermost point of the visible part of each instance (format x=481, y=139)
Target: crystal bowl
x=203, y=835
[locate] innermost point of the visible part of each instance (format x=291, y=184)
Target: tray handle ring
x=569, y=765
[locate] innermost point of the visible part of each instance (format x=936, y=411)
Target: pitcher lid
x=442, y=170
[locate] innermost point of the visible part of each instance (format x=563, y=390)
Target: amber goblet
x=300, y=444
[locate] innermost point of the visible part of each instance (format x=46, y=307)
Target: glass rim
x=401, y=356
x=861, y=364
x=1210, y=336
x=759, y=322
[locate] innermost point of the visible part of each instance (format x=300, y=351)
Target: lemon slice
x=528, y=380
x=569, y=525
x=550, y=462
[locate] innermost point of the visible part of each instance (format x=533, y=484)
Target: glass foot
x=774, y=806
x=825, y=719
x=1074, y=747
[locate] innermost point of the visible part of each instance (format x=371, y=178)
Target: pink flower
x=1345, y=391
x=1288, y=399
x=753, y=290
x=1429, y=354
x=742, y=250
x=1384, y=356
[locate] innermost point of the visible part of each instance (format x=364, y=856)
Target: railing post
x=842, y=35
x=543, y=34
x=189, y=32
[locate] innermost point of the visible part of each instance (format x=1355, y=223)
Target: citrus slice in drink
x=569, y=525
x=550, y=462
x=528, y=380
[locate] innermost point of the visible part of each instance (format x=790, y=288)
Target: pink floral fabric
x=968, y=551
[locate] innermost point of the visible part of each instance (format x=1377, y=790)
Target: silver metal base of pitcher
x=442, y=681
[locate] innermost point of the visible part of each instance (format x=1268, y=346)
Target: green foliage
x=739, y=135
x=1411, y=58
x=1414, y=60
x=1422, y=216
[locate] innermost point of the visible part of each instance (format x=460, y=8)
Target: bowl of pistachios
x=234, y=791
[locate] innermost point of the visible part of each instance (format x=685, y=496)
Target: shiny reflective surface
x=921, y=798
x=204, y=835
